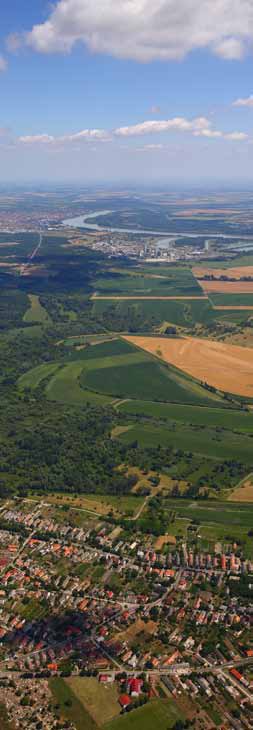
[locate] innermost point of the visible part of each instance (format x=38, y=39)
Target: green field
x=156, y=715
x=112, y=370
x=64, y=387
x=136, y=379
x=195, y=415
x=223, y=514
x=221, y=445
x=100, y=701
x=36, y=313
x=244, y=259
x=145, y=315
x=231, y=300
x=168, y=282
x=75, y=713
x=108, y=349
x=34, y=377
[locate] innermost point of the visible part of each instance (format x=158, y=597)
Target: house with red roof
x=124, y=701
x=134, y=686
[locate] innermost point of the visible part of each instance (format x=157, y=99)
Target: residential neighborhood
x=147, y=621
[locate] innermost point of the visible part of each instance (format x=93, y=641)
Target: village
x=88, y=601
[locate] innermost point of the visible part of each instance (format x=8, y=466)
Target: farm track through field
x=234, y=307
x=95, y=298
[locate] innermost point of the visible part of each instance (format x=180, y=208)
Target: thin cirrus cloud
x=145, y=31
x=197, y=127
x=247, y=101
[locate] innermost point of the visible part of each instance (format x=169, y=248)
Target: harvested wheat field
x=219, y=286
x=244, y=492
x=226, y=367
x=226, y=287
x=236, y=272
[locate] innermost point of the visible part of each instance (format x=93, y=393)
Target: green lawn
x=75, y=713
x=196, y=415
x=36, y=313
x=156, y=715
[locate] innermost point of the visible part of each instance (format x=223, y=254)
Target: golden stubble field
x=244, y=491
x=219, y=286
x=226, y=367
x=235, y=272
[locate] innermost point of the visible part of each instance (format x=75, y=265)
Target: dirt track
x=243, y=307
x=226, y=367
x=95, y=298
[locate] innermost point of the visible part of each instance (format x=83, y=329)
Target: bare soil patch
x=137, y=628
x=244, y=492
x=228, y=368
x=165, y=540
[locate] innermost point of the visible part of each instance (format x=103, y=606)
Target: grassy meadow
x=207, y=441
x=220, y=418
x=36, y=313
x=159, y=714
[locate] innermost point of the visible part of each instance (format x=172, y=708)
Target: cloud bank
x=197, y=127
x=144, y=30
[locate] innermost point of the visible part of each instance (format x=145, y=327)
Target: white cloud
x=236, y=136
x=231, y=49
x=37, y=139
x=165, y=125
x=248, y=101
x=198, y=127
x=146, y=30
x=85, y=134
x=3, y=63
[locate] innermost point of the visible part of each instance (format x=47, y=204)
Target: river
x=83, y=221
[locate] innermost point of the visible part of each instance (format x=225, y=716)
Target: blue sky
x=112, y=90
